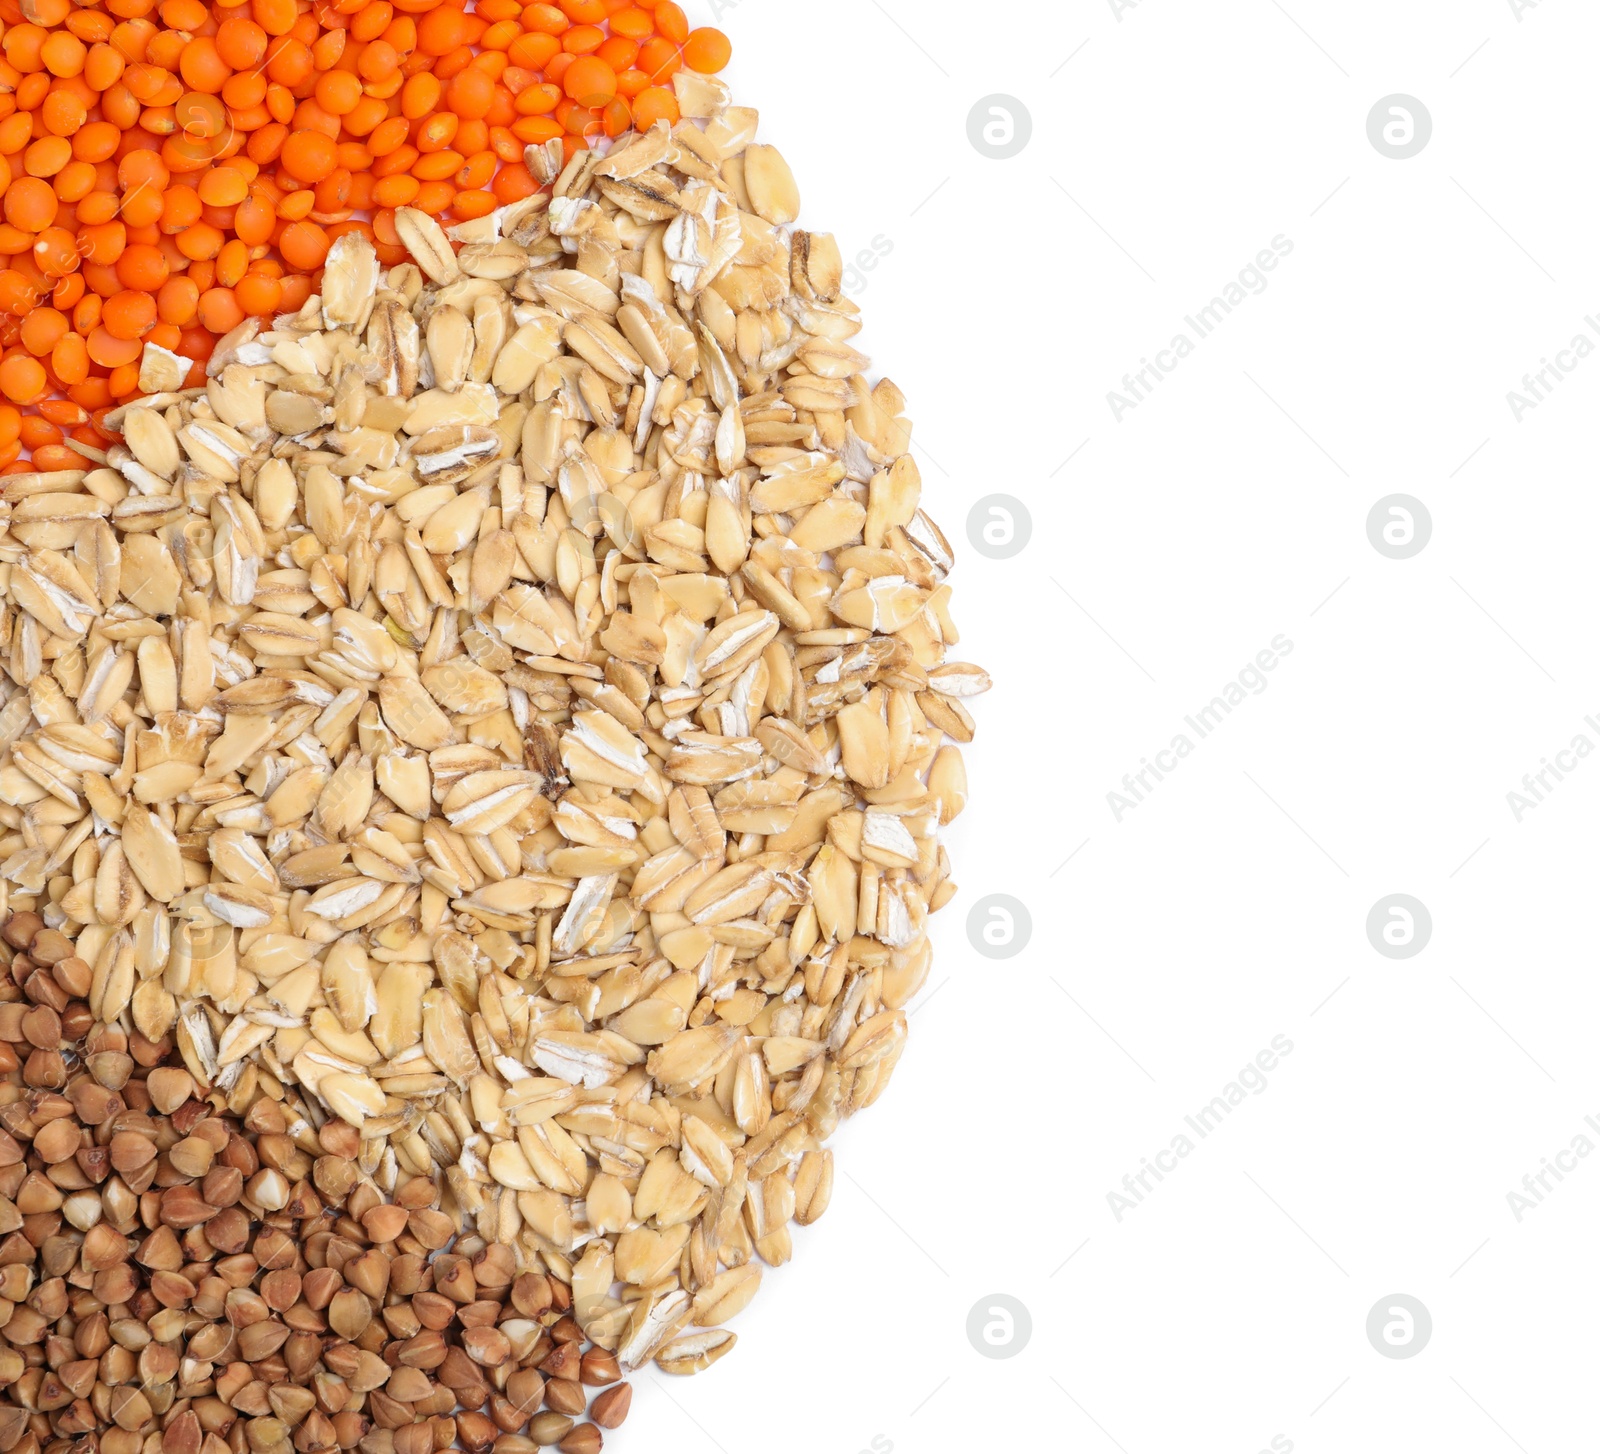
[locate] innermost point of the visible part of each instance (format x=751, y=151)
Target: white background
x=1230, y=1307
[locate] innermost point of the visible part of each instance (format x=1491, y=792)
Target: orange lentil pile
x=169, y=169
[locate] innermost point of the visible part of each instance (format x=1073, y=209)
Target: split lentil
x=209, y=155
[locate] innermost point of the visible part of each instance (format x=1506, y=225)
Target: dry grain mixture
x=176, y=1279
x=507, y=710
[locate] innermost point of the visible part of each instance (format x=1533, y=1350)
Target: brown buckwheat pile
x=176, y=1280
x=471, y=788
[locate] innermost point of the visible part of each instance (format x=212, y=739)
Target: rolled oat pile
x=504, y=722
